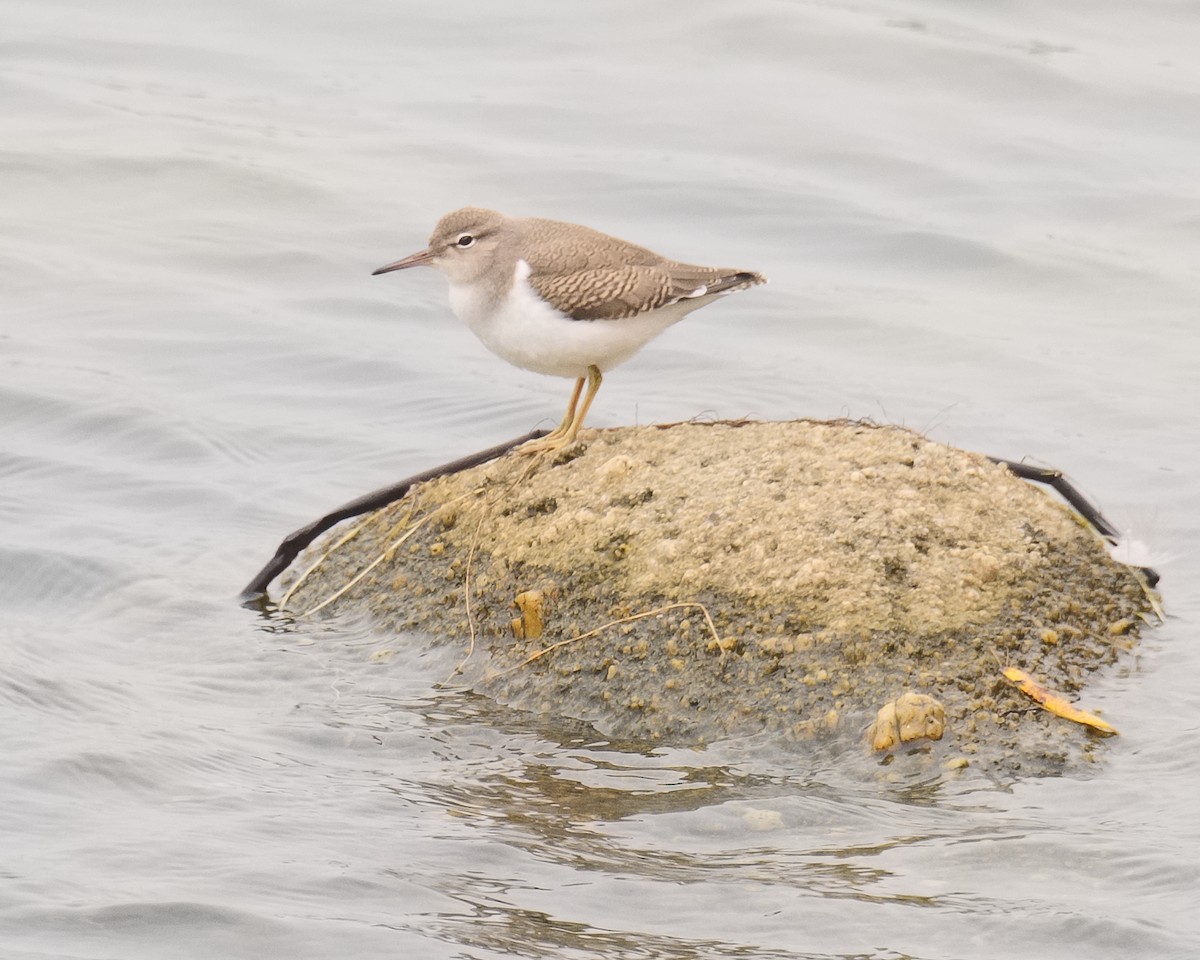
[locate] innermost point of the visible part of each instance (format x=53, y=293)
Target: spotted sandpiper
x=563, y=299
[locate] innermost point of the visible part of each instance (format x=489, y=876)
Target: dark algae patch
x=699, y=581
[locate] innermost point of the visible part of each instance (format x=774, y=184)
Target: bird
x=562, y=299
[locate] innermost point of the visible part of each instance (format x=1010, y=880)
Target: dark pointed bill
x=413, y=260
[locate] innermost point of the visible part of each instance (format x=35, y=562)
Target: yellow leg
x=572, y=423
x=594, y=379
x=569, y=416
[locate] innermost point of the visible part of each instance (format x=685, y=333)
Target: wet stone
x=698, y=581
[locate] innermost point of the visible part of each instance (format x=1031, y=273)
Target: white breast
x=529, y=333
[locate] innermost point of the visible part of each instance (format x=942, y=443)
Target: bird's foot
x=551, y=443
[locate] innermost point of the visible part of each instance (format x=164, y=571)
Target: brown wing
x=614, y=294
x=563, y=274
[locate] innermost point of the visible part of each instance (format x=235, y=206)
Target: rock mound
x=704, y=580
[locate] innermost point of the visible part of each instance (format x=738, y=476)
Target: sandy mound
x=703, y=580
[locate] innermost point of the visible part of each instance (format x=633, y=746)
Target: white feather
x=529, y=333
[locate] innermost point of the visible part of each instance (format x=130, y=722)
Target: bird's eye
x=465, y=240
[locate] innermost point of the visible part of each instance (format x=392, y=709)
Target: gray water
x=980, y=221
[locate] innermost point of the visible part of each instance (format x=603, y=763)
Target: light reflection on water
x=977, y=223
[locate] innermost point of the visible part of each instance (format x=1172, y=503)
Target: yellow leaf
x=1055, y=703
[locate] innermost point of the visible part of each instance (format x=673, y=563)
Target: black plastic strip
x=1067, y=491
x=294, y=542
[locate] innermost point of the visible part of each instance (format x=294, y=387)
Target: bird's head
x=463, y=245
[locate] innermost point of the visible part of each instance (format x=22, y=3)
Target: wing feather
x=563, y=274
x=614, y=294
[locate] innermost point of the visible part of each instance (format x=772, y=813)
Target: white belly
x=529, y=333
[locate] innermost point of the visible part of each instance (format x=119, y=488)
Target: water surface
x=978, y=221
